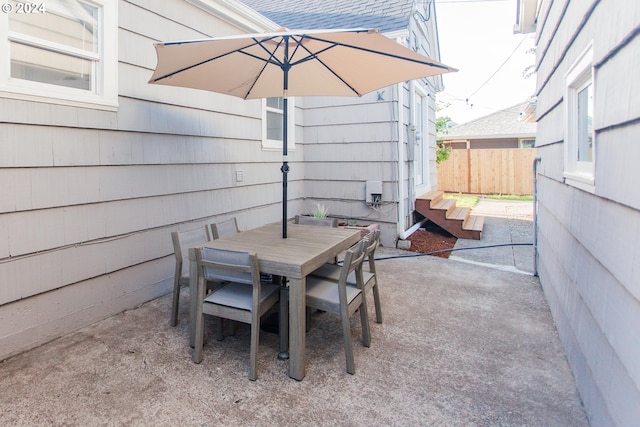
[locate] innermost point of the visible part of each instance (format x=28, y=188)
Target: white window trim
x=105, y=96
x=275, y=144
x=576, y=173
x=424, y=136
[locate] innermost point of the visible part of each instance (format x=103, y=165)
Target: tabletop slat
x=305, y=248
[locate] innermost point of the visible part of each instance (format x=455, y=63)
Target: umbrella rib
x=314, y=55
x=173, y=73
x=377, y=52
x=271, y=60
x=240, y=50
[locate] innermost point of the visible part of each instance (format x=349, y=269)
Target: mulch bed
x=432, y=238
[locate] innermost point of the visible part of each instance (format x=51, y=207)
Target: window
x=273, y=112
x=420, y=135
x=60, y=51
x=527, y=143
x=579, y=134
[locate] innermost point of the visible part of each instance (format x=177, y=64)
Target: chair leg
x=255, y=338
x=199, y=322
x=176, y=300
x=233, y=327
x=348, y=346
x=219, y=328
x=197, y=351
x=378, y=304
x=364, y=319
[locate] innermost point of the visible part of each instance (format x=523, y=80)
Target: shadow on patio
x=461, y=344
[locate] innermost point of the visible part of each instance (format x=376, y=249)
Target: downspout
x=400, y=231
x=536, y=162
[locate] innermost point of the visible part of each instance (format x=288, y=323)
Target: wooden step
x=432, y=196
x=444, y=212
x=446, y=205
x=474, y=222
x=461, y=214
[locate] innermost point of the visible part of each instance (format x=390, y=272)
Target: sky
x=476, y=37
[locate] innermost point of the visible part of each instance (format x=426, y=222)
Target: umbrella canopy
x=291, y=63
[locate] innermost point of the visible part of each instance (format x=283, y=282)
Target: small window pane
x=39, y=65
x=277, y=103
x=69, y=23
x=527, y=143
x=274, y=126
x=585, y=125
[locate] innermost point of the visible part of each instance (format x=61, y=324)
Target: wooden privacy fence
x=488, y=171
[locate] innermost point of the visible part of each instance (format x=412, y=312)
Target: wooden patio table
x=305, y=249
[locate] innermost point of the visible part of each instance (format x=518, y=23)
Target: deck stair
x=444, y=212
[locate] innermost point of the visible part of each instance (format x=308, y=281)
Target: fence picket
x=488, y=171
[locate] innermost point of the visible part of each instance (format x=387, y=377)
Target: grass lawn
x=463, y=200
x=528, y=198
x=470, y=200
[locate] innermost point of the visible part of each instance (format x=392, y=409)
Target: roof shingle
x=385, y=15
x=503, y=123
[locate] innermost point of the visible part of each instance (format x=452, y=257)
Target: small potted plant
x=320, y=211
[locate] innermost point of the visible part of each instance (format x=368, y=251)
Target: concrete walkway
x=461, y=345
x=507, y=238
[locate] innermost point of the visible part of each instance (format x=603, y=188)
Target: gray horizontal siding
x=344, y=146
x=90, y=197
x=589, y=243
x=49, y=315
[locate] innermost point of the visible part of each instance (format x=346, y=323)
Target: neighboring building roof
x=505, y=123
x=385, y=15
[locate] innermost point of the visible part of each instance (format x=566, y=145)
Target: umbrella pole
x=285, y=167
x=285, y=136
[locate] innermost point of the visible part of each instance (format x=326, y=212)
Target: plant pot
x=364, y=229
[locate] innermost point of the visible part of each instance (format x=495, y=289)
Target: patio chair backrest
x=224, y=228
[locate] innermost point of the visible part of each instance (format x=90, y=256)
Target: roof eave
x=237, y=14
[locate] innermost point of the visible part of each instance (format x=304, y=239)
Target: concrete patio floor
x=506, y=222
x=462, y=344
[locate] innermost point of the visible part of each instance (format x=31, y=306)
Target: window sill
x=582, y=181
x=269, y=145
x=84, y=101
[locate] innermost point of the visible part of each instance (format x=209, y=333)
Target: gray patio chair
x=182, y=241
x=310, y=220
x=369, y=277
x=337, y=297
x=242, y=297
x=223, y=228
x=215, y=231
x=321, y=222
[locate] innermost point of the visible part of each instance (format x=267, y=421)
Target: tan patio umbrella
x=291, y=63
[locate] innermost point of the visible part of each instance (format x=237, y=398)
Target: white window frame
x=276, y=144
x=421, y=148
x=104, y=93
x=580, y=174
